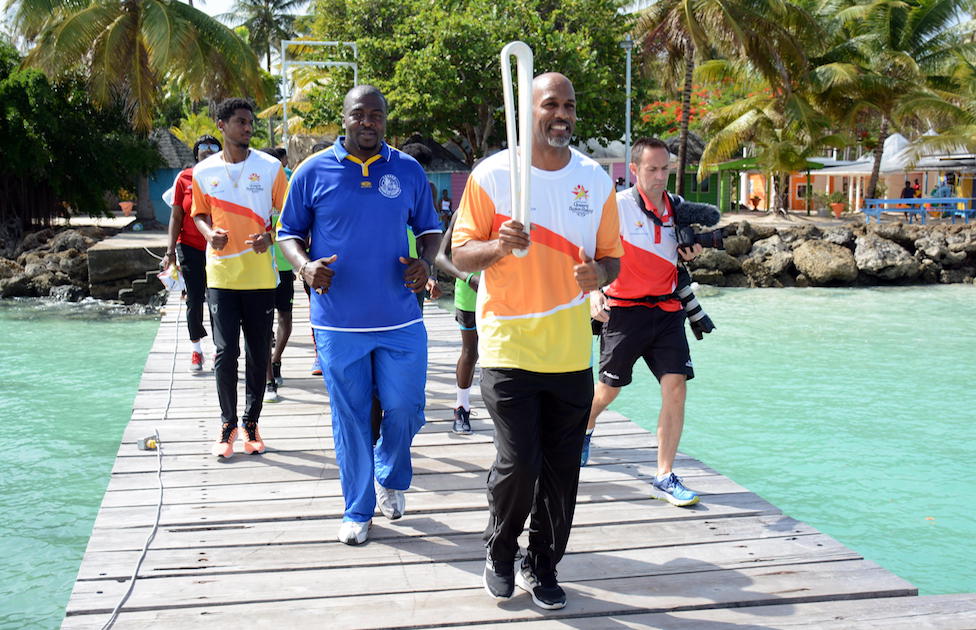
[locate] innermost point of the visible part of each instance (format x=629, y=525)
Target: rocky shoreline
x=63, y=263
x=845, y=255
x=54, y=262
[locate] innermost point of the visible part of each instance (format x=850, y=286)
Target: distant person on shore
x=534, y=335
x=234, y=193
x=284, y=298
x=465, y=302
x=187, y=246
x=908, y=192
x=446, y=207
x=642, y=313
x=348, y=206
x=620, y=184
x=918, y=188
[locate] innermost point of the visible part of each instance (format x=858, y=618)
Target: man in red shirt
x=188, y=246
x=642, y=314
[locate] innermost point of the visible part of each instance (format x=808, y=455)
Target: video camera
x=687, y=237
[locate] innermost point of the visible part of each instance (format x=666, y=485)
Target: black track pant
x=230, y=313
x=193, y=266
x=539, y=422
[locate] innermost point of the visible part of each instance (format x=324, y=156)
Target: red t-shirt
x=649, y=264
x=183, y=196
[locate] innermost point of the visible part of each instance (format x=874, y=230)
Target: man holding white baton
x=535, y=344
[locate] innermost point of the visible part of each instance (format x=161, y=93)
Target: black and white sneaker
x=499, y=578
x=545, y=590
x=462, y=421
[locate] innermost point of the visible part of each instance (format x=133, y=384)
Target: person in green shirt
x=284, y=300
x=465, y=301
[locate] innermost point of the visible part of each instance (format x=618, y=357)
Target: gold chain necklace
x=227, y=170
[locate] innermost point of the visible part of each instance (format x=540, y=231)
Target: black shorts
x=285, y=293
x=635, y=332
x=465, y=319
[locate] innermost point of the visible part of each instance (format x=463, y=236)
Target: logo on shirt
x=581, y=201
x=214, y=182
x=390, y=186
x=254, y=177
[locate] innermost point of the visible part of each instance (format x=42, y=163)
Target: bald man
x=350, y=204
x=534, y=335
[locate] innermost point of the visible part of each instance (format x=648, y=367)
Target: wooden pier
x=250, y=543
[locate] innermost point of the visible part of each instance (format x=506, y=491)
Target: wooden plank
x=305, y=530
x=467, y=603
x=243, y=554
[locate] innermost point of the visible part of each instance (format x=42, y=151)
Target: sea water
x=853, y=410
x=68, y=375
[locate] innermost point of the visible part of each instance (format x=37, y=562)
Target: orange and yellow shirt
x=531, y=314
x=239, y=198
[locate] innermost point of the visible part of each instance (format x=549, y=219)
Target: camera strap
x=658, y=223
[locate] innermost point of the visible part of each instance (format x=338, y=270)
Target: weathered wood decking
x=250, y=543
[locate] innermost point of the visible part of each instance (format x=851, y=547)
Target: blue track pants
x=391, y=365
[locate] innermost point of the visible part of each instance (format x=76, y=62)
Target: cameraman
x=641, y=310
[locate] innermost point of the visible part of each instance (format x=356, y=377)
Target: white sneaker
x=392, y=502
x=353, y=533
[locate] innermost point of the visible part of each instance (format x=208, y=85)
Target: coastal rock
x=17, y=286
x=708, y=276
x=961, y=241
x=736, y=280
x=797, y=235
x=763, y=271
x=883, y=258
x=70, y=239
x=46, y=281
x=716, y=259
x=963, y=274
x=824, y=263
x=929, y=272
x=737, y=245
x=768, y=246
x=896, y=232
x=34, y=240
x=75, y=264
x=9, y=268
x=67, y=293
x=840, y=235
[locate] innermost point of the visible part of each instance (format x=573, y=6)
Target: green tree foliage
x=58, y=152
x=438, y=63
x=267, y=22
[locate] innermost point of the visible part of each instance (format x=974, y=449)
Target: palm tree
x=784, y=129
x=267, y=22
x=761, y=33
x=129, y=49
x=902, y=54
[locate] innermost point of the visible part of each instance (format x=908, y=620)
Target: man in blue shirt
x=349, y=204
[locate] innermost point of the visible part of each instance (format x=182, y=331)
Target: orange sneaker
x=253, y=444
x=224, y=447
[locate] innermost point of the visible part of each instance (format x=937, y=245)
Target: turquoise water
x=851, y=409
x=68, y=375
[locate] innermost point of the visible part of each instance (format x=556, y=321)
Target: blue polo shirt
x=358, y=210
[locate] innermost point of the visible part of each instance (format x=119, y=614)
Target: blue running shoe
x=674, y=491
x=585, y=455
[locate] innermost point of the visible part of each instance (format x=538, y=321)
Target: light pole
x=628, y=45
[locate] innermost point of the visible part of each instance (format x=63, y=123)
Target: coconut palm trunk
x=878, y=153
x=685, y=114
